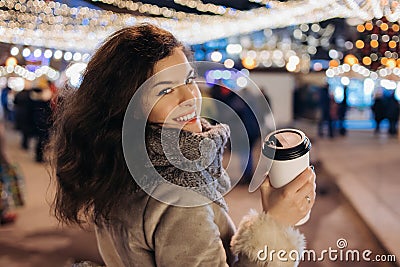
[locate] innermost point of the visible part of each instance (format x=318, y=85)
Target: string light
x=11, y=61
x=200, y=6
x=374, y=43
x=216, y=56
x=58, y=54
x=14, y=51
x=275, y=49
x=369, y=26
x=392, y=44
x=249, y=63
x=361, y=70
x=391, y=63
x=57, y=26
x=21, y=71
x=360, y=28
x=383, y=44
x=350, y=59
x=48, y=53
x=229, y=63
x=37, y=53
x=374, y=57
x=384, y=27
x=359, y=44
x=366, y=60
x=334, y=63
x=26, y=52
x=262, y=2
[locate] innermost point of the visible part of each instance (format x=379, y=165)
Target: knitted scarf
x=191, y=160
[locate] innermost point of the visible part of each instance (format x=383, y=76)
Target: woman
x=133, y=227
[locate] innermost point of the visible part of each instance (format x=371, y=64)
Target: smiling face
x=173, y=94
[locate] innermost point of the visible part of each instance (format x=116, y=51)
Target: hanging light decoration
x=378, y=46
x=21, y=71
x=54, y=25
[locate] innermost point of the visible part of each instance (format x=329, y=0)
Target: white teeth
x=187, y=117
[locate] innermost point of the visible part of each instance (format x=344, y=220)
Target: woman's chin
x=193, y=125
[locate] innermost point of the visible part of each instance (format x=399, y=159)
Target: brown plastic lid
x=286, y=144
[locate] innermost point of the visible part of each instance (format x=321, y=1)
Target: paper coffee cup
x=288, y=150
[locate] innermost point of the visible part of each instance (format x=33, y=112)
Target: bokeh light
x=350, y=59
x=359, y=44
x=367, y=61
x=374, y=43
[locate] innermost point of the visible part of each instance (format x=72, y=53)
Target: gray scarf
x=191, y=160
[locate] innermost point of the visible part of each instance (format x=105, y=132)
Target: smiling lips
x=188, y=118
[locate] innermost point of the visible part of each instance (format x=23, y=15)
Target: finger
x=300, y=180
x=266, y=191
x=313, y=174
x=307, y=189
x=311, y=180
x=266, y=185
x=305, y=203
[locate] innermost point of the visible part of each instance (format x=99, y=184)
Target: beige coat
x=157, y=234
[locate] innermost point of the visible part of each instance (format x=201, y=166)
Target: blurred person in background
x=235, y=100
x=333, y=112
x=392, y=113
x=341, y=112
x=244, y=110
x=221, y=93
x=379, y=109
x=24, y=119
x=41, y=97
x=326, y=108
x=6, y=95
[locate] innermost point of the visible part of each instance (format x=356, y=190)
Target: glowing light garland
x=278, y=50
x=358, y=71
x=21, y=71
x=264, y=2
x=200, y=6
x=57, y=26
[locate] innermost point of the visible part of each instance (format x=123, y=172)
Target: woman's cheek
x=166, y=108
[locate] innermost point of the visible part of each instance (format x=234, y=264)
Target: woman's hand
x=290, y=203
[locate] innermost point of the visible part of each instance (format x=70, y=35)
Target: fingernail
x=312, y=167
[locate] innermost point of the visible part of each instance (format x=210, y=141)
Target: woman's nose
x=188, y=95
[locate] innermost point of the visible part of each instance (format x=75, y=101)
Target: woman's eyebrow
x=162, y=83
x=191, y=71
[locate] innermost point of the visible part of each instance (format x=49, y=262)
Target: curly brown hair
x=85, y=150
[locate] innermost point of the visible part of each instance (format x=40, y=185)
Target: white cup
x=288, y=153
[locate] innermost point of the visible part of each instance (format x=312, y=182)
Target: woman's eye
x=190, y=80
x=165, y=91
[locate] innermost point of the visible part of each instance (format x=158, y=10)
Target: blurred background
x=330, y=68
